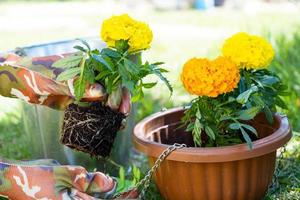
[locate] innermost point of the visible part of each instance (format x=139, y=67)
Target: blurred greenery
x=287, y=66
x=13, y=142
x=177, y=37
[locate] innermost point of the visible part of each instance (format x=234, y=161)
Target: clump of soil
x=91, y=129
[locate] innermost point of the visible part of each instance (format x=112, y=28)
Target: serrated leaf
x=79, y=88
x=68, y=74
x=164, y=79
x=149, y=85
x=123, y=72
x=210, y=133
x=102, y=61
x=197, y=133
x=247, y=138
x=131, y=66
x=68, y=62
x=250, y=128
x=249, y=113
x=80, y=84
x=89, y=74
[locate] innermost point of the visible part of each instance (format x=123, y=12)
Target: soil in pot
x=91, y=129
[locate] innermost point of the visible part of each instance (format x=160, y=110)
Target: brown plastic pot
x=211, y=173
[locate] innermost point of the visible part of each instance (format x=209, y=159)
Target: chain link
x=279, y=165
x=145, y=182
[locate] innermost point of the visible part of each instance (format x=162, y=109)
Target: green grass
x=286, y=181
x=14, y=143
x=287, y=65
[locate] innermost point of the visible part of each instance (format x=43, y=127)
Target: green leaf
x=225, y=118
x=79, y=88
x=149, y=85
x=116, y=79
x=269, y=80
x=89, y=74
x=235, y=126
x=80, y=48
x=102, y=75
x=190, y=127
x=164, y=79
x=68, y=74
x=102, y=61
x=250, y=128
x=158, y=63
x=131, y=66
x=198, y=114
x=123, y=72
x=85, y=43
x=138, y=96
x=162, y=70
x=121, y=179
x=136, y=175
x=68, y=62
x=111, y=53
x=279, y=102
x=128, y=84
x=249, y=113
x=80, y=84
x=269, y=114
x=243, y=97
x=210, y=133
x=247, y=138
x=197, y=132
x=257, y=100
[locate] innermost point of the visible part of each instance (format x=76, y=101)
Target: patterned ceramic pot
x=213, y=173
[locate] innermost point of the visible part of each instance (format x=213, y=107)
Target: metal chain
x=280, y=158
x=145, y=182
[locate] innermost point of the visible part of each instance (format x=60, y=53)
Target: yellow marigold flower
x=248, y=51
x=123, y=27
x=203, y=77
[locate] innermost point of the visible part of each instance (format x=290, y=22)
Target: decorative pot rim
x=212, y=154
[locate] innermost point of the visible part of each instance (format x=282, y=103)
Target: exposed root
x=91, y=129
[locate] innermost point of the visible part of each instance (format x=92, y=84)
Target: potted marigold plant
x=91, y=127
x=231, y=128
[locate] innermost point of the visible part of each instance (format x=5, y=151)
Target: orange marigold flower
x=203, y=77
